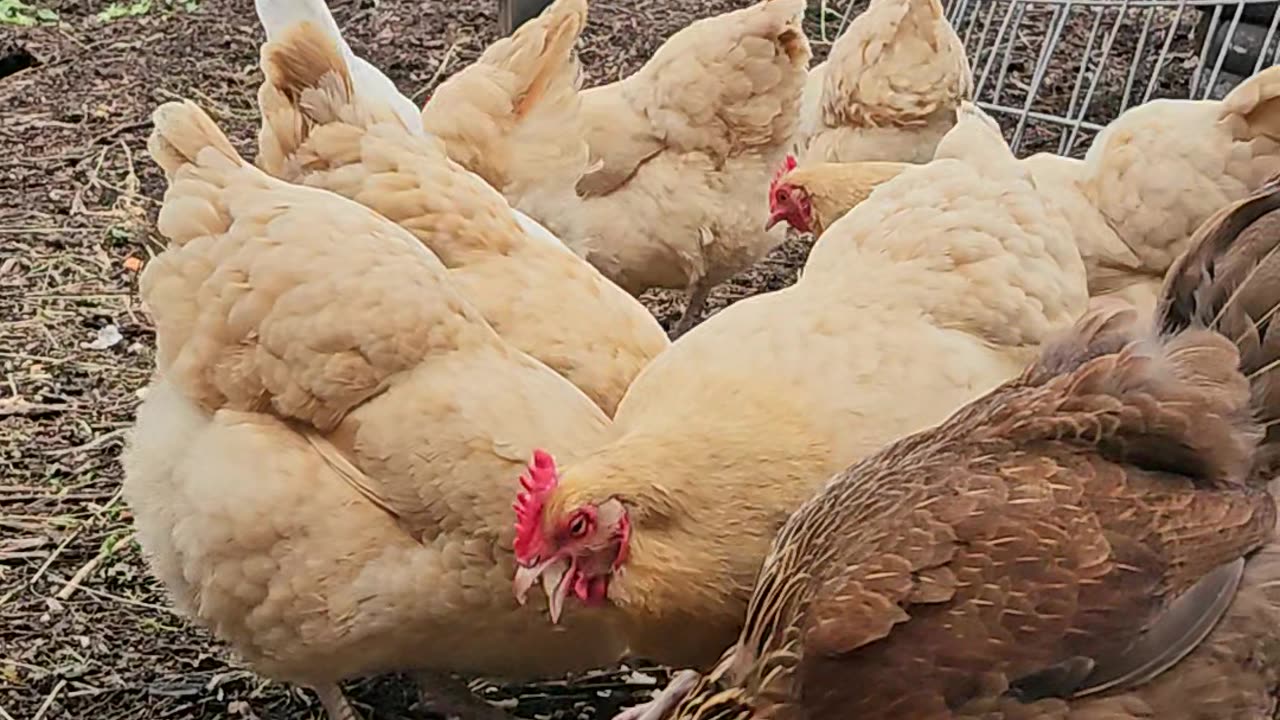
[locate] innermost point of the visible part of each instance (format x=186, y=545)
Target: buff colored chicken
x=811, y=197
x=513, y=116
x=318, y=130
x=889, y=89
x=681, y=152
x=685, y=146
x=321, y=472
x=1155, y=173
x=1077, y=532
x=945, y=288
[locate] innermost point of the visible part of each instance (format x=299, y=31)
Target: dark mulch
x=84, y=632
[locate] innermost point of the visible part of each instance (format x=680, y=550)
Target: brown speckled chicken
x=319, y=130
x=890, y=88
x=1075, y=532
x=321, y=473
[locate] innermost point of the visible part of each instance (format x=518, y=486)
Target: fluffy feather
x=537, y=295
x=1078, y=529
x=940, y=287
x=512, y=116
x=889, y=89
x=320, y=473
x=277, y=16
x=1158, y=171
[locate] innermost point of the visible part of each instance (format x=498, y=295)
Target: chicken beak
x=775, y=217
x=553, y=574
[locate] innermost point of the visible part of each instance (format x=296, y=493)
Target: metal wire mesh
x=1055, y=71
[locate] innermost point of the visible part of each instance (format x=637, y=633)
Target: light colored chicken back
x=321, y=472
x=537, y=295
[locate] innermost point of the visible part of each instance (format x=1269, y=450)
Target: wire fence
x=1055, y=71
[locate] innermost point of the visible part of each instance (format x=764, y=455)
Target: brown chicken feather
x=1079, y=529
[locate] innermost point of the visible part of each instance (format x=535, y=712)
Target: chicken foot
x=666, y=701
x=452, y=698
x=335, y=702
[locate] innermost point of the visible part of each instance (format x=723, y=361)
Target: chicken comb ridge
x=787, y=166
x=537, y=482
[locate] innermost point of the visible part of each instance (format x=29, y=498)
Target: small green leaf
x=111, y=12
x=17, y=12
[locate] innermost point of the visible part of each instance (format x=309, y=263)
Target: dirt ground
x=84, y=632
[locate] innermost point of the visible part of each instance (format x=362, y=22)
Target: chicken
x=1155, y=173
x=945, y=288
x=321, y=470
x=889, y=88
x=681, y=154
x=538, y=296
x=276, y=16
x=1076, y=531
x=812, y=197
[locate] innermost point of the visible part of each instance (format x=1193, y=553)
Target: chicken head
x=571, y=553
x=788, y=202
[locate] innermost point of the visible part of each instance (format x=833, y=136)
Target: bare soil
x=84, y=631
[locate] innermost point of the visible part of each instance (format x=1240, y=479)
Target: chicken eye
x=780, y=196
x=578, y=526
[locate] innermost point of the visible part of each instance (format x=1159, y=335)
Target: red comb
x=787, y=166
x=538, y=480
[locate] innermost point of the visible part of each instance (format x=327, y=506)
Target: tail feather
x=307, y=83
x=306, y=69
x=976, y=138
x=510, y=116
x=1228, y=283
x=200, y=164
x=1229, y=280
x=184, y=134
x=1257, y=101
x=278, y=16
x=1202, y=398
x=759, y=55
x=545, y=49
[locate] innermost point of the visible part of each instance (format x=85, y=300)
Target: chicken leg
x=699, y=286
x=335, y=702
x=698, y=292
x=452, y=698
x=666, y=701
